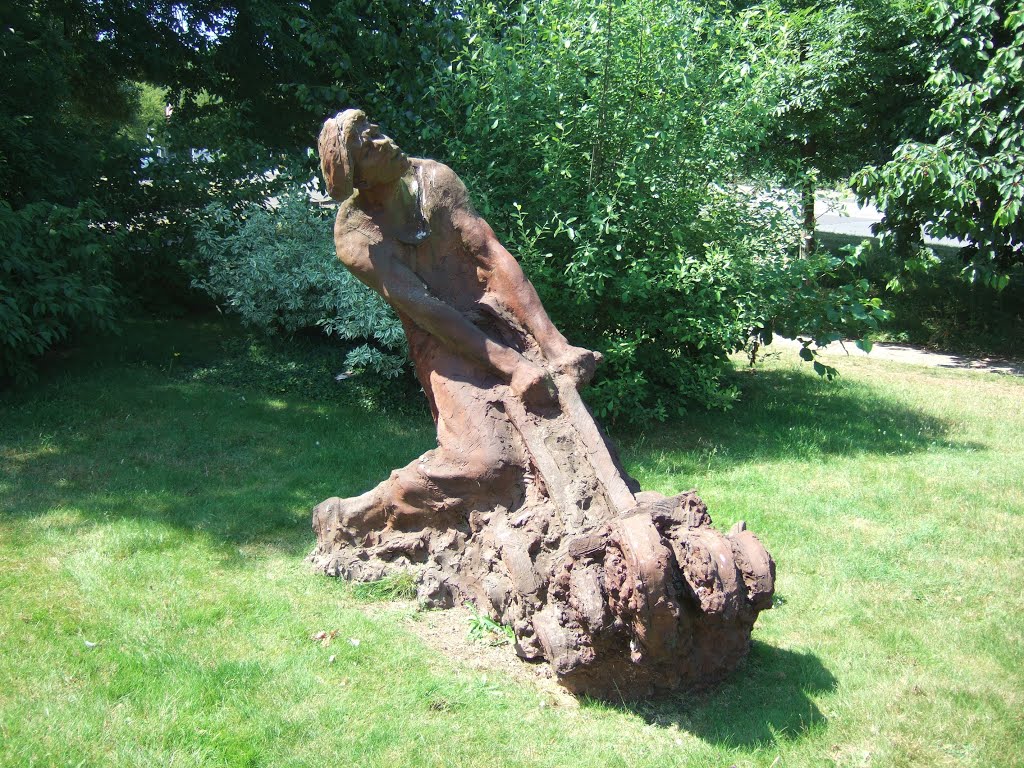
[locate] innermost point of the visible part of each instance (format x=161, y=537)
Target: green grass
x=155, y=607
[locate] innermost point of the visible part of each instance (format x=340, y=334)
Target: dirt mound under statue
x=523, y=508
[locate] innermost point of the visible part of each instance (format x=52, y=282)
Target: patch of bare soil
x=448, y=633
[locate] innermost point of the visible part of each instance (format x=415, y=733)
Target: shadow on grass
x=770, y=698
x=235, y=466
x=120, y=435
x=788, y=414
x=197, y=425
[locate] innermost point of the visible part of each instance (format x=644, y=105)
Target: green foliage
x=817, y=90
x=619, y=129
x=483, y=628
x=252, y=80
x=401, y=586
x=937, y=308
x=967, y=182
x=63, y=101
x=821, y=88
x=55, y=280
x=150, y=117
x=274, y=265
x=597, y=140
x=73, y=126
x=85, y=84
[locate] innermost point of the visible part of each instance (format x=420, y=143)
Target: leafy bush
x=54, y=280
x=275, y=266
x=599, y=142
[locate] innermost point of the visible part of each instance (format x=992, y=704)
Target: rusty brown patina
x=523, y=508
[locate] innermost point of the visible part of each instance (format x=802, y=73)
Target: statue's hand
x=533, y=385
x=579, y=364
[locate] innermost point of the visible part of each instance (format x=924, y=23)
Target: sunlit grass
x=156, y=609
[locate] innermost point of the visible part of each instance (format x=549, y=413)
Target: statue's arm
x=506, y=281
x=376, y=266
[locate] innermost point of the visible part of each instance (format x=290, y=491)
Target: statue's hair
x=335, y=159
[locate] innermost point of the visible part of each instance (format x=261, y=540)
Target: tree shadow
x=201, y=426
x=787, y=414
x=123, y=435
x=770, y=698
x=237, y=467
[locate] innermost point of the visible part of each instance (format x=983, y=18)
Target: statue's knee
x=492, y=468
x=325, y=515
x=406, y=486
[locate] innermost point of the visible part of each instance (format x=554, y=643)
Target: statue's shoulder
x=435, y=170
x=442, y=187
x=353, y=228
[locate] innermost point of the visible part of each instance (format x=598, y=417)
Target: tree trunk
x=807, y=197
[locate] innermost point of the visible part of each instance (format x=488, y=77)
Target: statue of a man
x=410, y=233
x=523, y=508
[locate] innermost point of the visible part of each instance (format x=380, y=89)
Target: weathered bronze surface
x=523, y=508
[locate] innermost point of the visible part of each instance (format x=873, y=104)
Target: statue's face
x=376, y=158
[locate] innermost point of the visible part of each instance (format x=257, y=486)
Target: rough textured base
x=624, y=595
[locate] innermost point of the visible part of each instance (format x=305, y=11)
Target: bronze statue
x=523, y=508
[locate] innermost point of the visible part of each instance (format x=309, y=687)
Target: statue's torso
x=437, y=254
x=435, y=251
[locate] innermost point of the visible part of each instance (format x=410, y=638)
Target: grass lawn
x=155, y=607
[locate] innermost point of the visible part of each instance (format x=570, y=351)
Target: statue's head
x=354, y=154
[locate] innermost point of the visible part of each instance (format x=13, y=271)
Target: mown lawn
x=156, y=609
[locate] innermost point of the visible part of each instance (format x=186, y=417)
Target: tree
x=967, y=182
x=63, y=103
x=257, y=77
x=823, y=89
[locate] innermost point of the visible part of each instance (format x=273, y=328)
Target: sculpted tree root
x=523, y=508
x=624, y=595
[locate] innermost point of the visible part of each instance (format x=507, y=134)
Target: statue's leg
x=338, y=521
x=477, y=464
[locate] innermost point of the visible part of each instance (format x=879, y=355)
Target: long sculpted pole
x=523, y=508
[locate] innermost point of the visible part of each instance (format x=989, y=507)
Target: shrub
x=274, y=265
x=55, y=280
x=601, y=144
